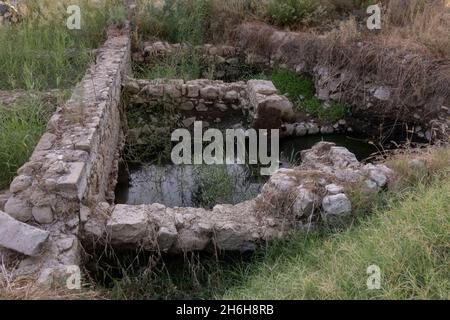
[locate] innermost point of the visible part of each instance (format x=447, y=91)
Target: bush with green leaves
x=327, y=112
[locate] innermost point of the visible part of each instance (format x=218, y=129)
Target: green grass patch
x=20, y=129
x=290, y=12
x=404, y=233
x=331, y=112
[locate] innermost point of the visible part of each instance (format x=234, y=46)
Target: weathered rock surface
x=4, y=196
x=268, y=108
x=258, y=100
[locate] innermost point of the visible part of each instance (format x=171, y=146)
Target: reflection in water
x=205, y=186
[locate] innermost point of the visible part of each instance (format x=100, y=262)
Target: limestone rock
x=326, y=130
x=131, y=87
x=4, y=196
x=186, y=106
x=209, y=93
x=313, y=128
x=263, y=87
x=301, y=130
x=382, y=93
x=231, y=96
x=334, y=189
x=188, y=122
x=193, y=91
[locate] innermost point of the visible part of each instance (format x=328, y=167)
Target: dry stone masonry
x=255, y=101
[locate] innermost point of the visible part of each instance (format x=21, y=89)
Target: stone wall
x=75, y=163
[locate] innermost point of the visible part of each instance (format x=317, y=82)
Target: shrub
x=333, y=112
x=313, y=106
x=337, y=111
x=183, y=64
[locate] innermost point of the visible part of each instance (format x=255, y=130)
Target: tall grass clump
x=293, y=85
x=40, y=52
x=216, y=185
x=20, y=129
